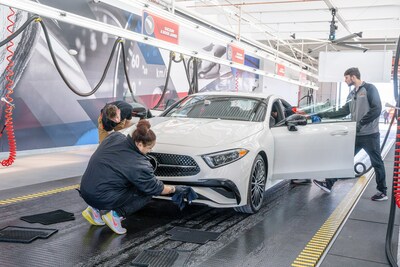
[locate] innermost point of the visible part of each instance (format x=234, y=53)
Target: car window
x=276, y=113
x=313, y=109
x=260, y=112
x=218, y=107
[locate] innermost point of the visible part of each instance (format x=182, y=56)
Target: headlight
x=222, y=158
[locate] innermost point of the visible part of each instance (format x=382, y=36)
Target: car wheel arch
x=249, y=208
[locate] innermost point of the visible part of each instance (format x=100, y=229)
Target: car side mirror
x=291, y=127
x=140, y=111
x=296, y=119
x=293, y=120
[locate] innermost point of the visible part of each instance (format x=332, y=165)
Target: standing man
x=114, y=116
x=364, y=105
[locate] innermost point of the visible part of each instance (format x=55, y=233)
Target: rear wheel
x=255, y=195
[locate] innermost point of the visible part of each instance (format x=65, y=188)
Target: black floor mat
x=192, y=235
x=51, y=217
x=19, y=234
x=155, y=258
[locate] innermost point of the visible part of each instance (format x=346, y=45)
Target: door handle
x=340, y=132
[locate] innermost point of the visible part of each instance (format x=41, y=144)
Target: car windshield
x=216, y=107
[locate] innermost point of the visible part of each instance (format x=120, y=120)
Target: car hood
x=201, y=132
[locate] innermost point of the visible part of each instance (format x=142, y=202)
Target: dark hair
x=143, y=134
x=353, y=71
x=111, y=111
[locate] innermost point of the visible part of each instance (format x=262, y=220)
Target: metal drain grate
x=155, y=258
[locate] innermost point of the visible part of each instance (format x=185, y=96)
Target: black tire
x=359, y=173
x=256, y=189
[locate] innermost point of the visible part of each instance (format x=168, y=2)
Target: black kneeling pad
x=51, y=217
x=155, y=258
x=192, y=235
x=19, y=234
x=161, y=258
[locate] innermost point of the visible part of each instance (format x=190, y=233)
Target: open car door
x=314, y=151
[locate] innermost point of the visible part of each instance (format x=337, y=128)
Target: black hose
x=126, y=72
x=181, y=59
x=392, y=213
x=187, y=68
x=21, y=29
x=117, y=42
x=190, y=81
x=382, y=146
x=195, y=76
x=171, y=58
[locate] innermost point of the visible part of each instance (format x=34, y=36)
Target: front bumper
x=223, y=187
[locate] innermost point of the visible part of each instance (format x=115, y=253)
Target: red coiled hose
x=9, y=123
x=396, y=167
x=237, y=80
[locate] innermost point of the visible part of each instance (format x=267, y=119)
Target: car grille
x=175, y=165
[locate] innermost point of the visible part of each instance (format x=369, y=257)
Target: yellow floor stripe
x=306, y=257
x=310, y=253
x=37, y=195
x=314, y=249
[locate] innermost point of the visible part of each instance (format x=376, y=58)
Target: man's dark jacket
x=116, y=171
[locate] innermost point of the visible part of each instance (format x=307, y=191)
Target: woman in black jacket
x=119, y=179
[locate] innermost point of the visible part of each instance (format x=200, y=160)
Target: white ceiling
x=308, y=21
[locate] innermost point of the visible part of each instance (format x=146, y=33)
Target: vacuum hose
x=118, y=41
x=9, y=87
x=396, y=169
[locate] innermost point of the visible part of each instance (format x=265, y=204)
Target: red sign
x=280, y=70
x=160, y=28
x=302, y=77
x=235, y=54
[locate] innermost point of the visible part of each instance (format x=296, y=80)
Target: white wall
x=374, y=66
x=287, y=91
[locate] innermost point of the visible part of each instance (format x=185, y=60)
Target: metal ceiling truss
x=67, y=17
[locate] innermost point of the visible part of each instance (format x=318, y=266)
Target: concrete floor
x=275, y=236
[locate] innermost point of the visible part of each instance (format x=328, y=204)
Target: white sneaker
x=379, y=196
x=322, y=185
x=113, y=221
x=92, y=215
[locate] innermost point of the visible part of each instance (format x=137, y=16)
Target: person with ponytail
x=119, y=179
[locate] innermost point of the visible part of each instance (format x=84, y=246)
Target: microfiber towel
x=187, y=193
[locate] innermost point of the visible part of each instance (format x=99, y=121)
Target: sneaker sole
x=381, y=199
x=300, y=182
x=110, y=224
x=323, y=188
x=87, y=216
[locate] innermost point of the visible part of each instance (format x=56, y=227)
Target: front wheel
x=255, y=195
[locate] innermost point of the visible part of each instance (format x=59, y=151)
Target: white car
x=229, y=149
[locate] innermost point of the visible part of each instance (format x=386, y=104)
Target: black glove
x=182, y=194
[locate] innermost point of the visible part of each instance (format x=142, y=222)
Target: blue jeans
x=135, y=203
x=371, y=145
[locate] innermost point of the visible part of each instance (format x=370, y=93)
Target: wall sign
x=235, y=54
x=160, y=28
x=280, y=69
